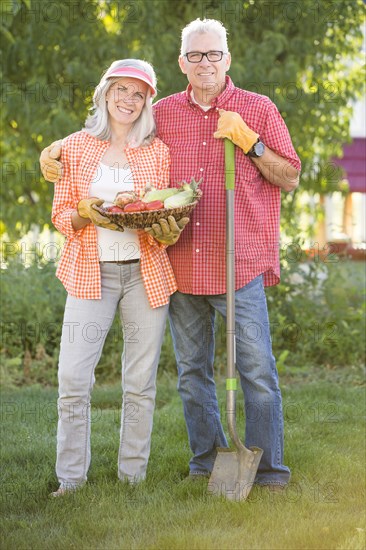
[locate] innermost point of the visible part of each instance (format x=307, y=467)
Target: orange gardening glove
x=233, y=127
x=167, y=231
x=86, y=210
x=50, y=167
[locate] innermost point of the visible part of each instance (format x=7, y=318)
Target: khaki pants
x=85, y=327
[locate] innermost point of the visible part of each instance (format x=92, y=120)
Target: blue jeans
x=192, y=320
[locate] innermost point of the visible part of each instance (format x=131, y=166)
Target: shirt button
x=197, y=249
x=201, y=169
x=204, y=143
x=197, y=223
x=206, y=116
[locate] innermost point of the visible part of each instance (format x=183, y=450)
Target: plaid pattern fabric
x=78, y=268
x=198, y=259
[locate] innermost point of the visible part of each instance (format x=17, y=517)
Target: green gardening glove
x=86, y=210
x=167, y=231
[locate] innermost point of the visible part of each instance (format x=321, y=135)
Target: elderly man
x=192, y=123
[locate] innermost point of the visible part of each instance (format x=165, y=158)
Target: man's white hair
x=202, y=26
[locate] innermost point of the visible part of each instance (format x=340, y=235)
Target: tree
x=306, y=56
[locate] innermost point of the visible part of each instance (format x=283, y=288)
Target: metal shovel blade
x=234, y=472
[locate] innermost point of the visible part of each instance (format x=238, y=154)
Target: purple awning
x=354, y=164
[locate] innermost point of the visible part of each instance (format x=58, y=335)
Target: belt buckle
x=121, y=262
x=128, y=262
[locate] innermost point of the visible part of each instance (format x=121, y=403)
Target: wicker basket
x=140, y=220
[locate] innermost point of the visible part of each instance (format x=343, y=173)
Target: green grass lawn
x=323, y=507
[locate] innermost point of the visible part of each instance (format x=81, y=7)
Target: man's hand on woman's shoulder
x=51, y=168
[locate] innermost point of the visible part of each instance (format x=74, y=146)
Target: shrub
x=316, y=315
x=32, y=304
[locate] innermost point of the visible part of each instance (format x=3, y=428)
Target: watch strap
x=253, y=153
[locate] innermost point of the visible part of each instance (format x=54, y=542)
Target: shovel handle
x=229, y=164
x=231, y=385
x=230, y=262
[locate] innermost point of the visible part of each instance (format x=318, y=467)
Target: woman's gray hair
x=98, y=123
x=202, y=26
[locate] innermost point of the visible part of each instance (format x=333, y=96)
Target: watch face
x=259, y=149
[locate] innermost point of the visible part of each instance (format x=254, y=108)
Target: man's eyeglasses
x=196, y=57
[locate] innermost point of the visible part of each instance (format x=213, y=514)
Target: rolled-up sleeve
x=277, y=137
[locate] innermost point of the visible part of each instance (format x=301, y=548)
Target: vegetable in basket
x=180, y=199
x=186, y=195
x=137, y=206
x=160, y=194
x=125, y=197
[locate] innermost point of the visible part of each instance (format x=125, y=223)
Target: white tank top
x=114, y=245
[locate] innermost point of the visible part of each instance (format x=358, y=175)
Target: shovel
x=234, y=471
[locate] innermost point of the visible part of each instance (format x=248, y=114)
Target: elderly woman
x=104, y=270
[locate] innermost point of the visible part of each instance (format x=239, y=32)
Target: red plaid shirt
x=79, y=269
x=198, y=259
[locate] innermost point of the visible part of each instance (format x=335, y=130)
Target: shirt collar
x=217, y=102
x=203, y=107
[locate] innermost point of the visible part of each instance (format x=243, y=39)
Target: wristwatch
x=257, y=150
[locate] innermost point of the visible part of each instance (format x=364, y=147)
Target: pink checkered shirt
x=198, y=259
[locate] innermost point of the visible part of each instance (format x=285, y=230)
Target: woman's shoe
x=62, y=491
